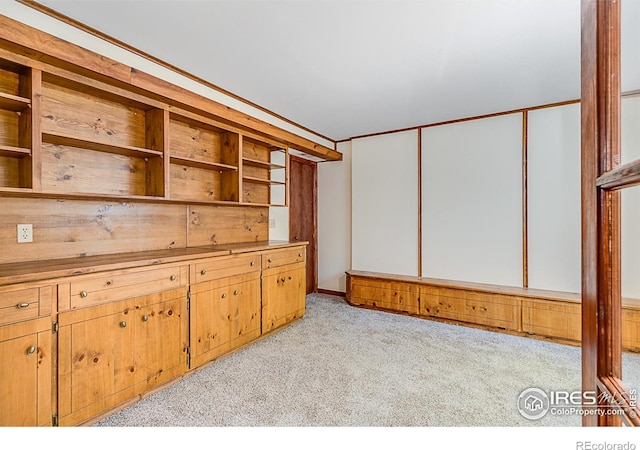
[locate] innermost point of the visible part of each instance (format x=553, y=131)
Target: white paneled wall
x=554, y=198
x=631, y=201
x=384, y=206
x=334, y=221
x=472, y=201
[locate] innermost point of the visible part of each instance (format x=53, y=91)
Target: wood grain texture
x=66, y=229
x=283, y=295
x=211, y=225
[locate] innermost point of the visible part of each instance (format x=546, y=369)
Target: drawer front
x=227, y=266
x=479, y=308
x=549, y=318
x=283, y=257
x=380, y=294
x=112, y=286
x=17, y=305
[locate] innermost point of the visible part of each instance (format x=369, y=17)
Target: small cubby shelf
x=13, y=102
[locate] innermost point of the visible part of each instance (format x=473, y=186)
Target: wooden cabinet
x=225, y=315
x=283, y=290
x=26, y=355
x=110, y=349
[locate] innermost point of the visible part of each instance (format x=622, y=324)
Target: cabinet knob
x=145, y=318
x=235, y=292
x=224, y=295
x=253, y=263
x=269, y=259
x=282, y=279
x=299, y=255
x=173, y=278
x=31, y=350
x=84, y=294
x=203, y=272
x=123, y=324
x=22, y=305
x=289, y=276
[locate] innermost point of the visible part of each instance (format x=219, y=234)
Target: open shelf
x=13, y=102
x=14, y=152
x=262, y=181
x=190, y=162
x=262, y=164
x=125, y=150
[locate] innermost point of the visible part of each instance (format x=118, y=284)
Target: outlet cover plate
x=25, y=233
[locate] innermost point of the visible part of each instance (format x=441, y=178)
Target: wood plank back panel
x=209, y=225
x=69, y=169
x=82, y=115
x=187, y=140
x=9, y=135
x=9, y=81
x=9, y=171
x=65, y=229
x=193, y=183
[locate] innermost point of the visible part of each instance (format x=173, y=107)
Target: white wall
x=334, y=221
x=384, y=198
x=630, y=200
x=472, y=201
x=554, y=199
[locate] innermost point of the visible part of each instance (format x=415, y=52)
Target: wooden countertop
x=57, y=268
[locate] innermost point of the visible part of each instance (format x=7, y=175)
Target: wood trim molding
x=419, y=203
x=40, y=46
x=525, y=199
x=330, y=292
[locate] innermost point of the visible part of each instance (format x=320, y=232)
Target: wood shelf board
x=58, y=268
x=261, y=180
x=13, y=102
x=14, y=152
x=137, y=152
x=202, y=164
x=262, y=164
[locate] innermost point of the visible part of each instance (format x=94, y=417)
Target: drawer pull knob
x=299, y=255
x=269, y=259
x=22, y=305
x=203, y=272
x=224, y=295
x=253, y=263
x=31, y=350
x=123, y=324
x=84, y=294
x=289, y=276
x=235, y=292
x=145, y=318
x=173, y=278
x=282, y=279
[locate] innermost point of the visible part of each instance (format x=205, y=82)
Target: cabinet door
x=25, y=372
x=97, y=365
x=283, y=296
x=162, y=342
x=225, y=314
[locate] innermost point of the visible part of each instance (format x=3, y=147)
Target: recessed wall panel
x=384, y=175
x=630, y=151
x=554, y=218
x=472, y=201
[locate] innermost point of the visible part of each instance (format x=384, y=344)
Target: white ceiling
x=348, y=68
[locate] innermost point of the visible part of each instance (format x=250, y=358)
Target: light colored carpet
x=342, y=366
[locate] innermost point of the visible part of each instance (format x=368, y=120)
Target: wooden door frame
x=315, y=213
x=602, y=177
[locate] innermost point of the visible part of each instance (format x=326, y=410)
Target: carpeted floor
x=341, y=366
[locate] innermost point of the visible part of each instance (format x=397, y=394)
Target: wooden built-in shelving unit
x=88, y=139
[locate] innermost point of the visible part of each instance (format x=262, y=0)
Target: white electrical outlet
x=272, y=223
x=25, y=232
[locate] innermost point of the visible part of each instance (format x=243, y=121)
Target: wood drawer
x=552, y=318
x=93, y=290
x=19, y=303
x=387, y=295
x=283, y=257
x=225, y=266
x=494, y=310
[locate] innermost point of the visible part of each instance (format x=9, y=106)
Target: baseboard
x=330, y=292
